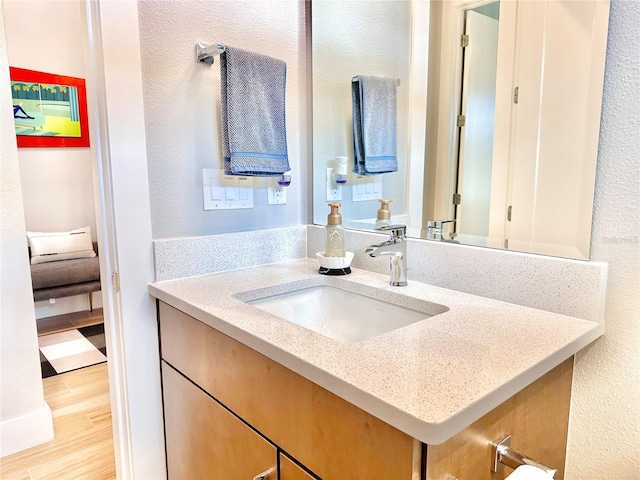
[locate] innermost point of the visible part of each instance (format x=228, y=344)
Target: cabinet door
x=330, y=436
x=290, y=471
x=204, y=440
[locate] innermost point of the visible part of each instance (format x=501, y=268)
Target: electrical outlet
x=276, y=195
x=334, y=192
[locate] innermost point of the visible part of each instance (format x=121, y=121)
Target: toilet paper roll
x=529, y=472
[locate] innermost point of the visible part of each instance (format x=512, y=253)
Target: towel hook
x=206, y=53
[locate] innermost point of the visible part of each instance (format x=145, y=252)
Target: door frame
x=456, y=30
x=123, y=221
x=463, y=132
x=448, y=92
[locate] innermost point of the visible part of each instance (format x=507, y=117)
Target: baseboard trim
x=27, y=431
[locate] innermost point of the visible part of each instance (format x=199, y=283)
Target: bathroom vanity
x=248, y=394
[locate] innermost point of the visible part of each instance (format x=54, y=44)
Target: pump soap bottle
x=384, y=214
x=335, y=233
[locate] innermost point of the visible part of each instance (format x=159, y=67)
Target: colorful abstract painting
x=49, y=110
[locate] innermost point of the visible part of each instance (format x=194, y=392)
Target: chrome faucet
x=396, y=248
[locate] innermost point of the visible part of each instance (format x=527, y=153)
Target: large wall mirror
x=498, y=114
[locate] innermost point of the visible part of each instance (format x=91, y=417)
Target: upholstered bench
x=67, y=276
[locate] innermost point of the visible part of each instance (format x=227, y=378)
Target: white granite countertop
x=430, y=379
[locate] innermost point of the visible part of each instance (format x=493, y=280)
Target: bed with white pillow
x=63, y=264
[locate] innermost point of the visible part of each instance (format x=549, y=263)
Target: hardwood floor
x=69, y=321
x=83, y=444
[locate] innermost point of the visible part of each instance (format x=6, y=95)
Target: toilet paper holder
x=502, y=455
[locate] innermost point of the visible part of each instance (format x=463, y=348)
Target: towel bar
x=355, y=79
x=206, y=53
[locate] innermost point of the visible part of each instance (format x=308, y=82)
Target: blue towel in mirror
x=254, y=137
x=374, y=124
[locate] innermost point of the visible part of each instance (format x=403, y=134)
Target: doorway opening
x=475, y=121
x=59, y=201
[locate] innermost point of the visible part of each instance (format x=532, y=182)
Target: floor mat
x=72, y=349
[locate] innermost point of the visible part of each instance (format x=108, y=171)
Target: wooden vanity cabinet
x=537, y=418
x=272, y=409
x=205, y=441
x=329, y=436
x=290, y=471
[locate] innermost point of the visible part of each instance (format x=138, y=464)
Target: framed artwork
x=49, y=110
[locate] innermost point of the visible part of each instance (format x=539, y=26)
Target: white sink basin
x=339, y=314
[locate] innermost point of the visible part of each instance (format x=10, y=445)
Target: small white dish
x=334, y=262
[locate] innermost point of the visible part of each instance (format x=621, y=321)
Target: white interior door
x=476, y=137
x=550, y=183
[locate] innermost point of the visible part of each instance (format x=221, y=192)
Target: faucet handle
x=434, y=228
x=397, y=231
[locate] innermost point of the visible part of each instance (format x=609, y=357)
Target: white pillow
x=54, y=246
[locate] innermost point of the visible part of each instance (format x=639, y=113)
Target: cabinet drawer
x=206, y=441
x=290, y=471
x=330, y=436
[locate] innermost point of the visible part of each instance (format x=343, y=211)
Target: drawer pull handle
x=266, y=475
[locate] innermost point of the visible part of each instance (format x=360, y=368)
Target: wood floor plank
x=83, y=444
x=100, y=418
x=72, y=388
x=76, y=465
x=75, y=449
x=83, y=406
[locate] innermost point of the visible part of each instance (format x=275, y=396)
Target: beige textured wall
x=21, y=392
x=182, y=108
x=604, y=430
x=57, y=183
x=344, y=46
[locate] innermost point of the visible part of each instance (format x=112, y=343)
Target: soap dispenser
x=335, y=232
x=384, y=214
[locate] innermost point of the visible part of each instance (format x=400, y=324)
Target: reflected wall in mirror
x=500, y=135
x=355, y=38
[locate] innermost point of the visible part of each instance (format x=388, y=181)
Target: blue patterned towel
x=374, y=125
x=254, y=137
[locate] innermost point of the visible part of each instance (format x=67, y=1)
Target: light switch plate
x=366, y=188
x=226, y=192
